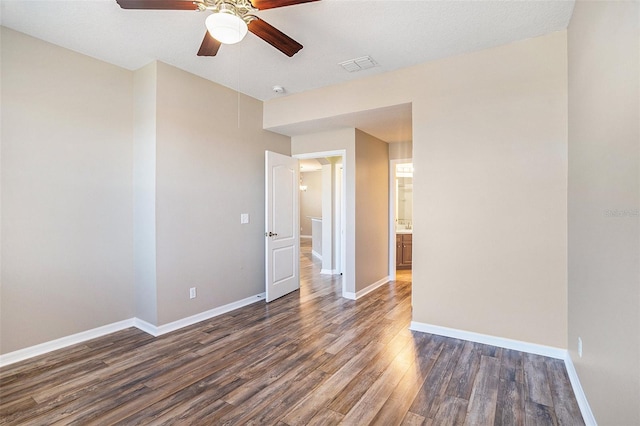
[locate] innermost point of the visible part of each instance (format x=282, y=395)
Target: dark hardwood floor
x=311, y=357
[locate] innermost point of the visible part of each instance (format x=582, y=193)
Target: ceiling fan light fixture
x=226, y=27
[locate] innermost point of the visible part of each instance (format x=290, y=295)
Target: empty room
x=160, y=263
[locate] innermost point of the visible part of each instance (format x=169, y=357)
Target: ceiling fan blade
x=209, y=46
x=271, y=4
x=158, y=4
x=274, y=37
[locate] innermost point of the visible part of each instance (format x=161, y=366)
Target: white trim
x=147, y=327
x=585, y=409
x=368, y=289
x=63, y=342
x=316, y=254
x=312, y=155
x=518, y=345
x=501, y=342
x=306, y=237
x=184, y=322
x=329, y=271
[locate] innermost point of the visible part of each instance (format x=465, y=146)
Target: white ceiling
x=395, y=33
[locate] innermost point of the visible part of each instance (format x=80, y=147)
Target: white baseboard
x=43, y=348
x=517, y=345
x=63, y=342
x=305, y=237
x=368, y=289
x=147, y=327
x=329, y=271
x=486, y=339
x=184, y=322
x=585, y=409
x=316, y=254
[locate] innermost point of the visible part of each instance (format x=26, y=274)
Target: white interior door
x=282, y=227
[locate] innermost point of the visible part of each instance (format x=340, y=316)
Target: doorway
x=400, y=219
x=322, y=212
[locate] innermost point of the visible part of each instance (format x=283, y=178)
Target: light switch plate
x=244, y=218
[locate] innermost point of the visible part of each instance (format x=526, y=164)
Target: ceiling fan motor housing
x=240, y=8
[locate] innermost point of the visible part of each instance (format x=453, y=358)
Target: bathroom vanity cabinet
x=403, y=251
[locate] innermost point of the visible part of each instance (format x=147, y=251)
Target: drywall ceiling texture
x=490, y=191
x=604, y=200
x=67, y=256
x=396, y=34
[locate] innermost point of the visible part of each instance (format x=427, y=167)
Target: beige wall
x=210, y=169
x=490, y=185
x=372, y=210
x=67, y=256
x=310, y=200
x=604, y=188
x=490, y=159
x=97, y=160
x=401, y=150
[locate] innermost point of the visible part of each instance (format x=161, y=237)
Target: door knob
x=270, y=234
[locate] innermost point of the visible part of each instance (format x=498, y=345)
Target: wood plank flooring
x=309, y=358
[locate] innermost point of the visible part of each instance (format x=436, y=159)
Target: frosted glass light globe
x=226, y=27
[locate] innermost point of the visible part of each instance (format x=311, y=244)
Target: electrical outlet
x=244, y=218
x=192, y=293
x=580, y=347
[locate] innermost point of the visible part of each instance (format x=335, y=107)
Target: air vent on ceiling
x=362, y=63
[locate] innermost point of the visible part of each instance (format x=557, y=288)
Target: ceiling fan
x=229, y=22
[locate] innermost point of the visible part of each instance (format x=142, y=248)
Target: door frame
x=343, y=190
x=392, y=214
